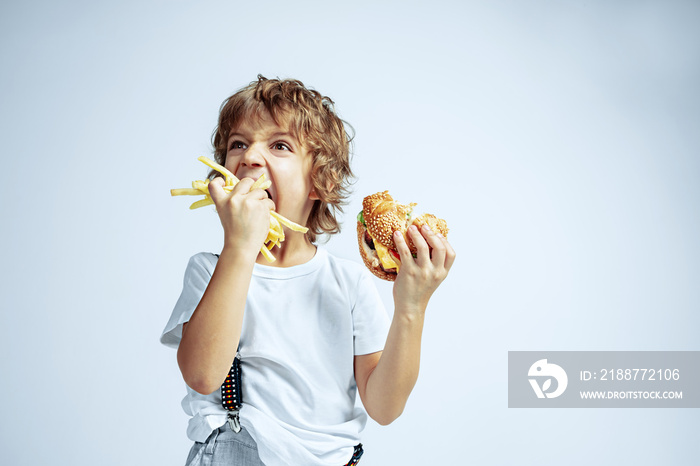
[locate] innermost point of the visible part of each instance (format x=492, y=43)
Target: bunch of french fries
x=276, y=234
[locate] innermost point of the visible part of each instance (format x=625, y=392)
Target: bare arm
x=210, y=338
x=385, y=379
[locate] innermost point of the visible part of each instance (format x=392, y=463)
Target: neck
x=296, y=249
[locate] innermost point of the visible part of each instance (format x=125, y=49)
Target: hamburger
x=379, y=218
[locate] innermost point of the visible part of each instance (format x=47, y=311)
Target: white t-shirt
x=302, y=327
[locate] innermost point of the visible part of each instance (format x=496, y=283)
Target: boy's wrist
x=409, y=312
x=240, y=252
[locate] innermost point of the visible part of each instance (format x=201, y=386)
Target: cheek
x=307, y=166
x=231, y=163
x=303, y=181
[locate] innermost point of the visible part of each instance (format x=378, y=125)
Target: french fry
x=185, y=192
x=202, y=186
x=201, y=203
x=275, y=235
x=267, y=254
x=230, y=177
x=259, y=182
x=288, y=223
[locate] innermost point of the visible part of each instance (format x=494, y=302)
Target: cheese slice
x=385, y=256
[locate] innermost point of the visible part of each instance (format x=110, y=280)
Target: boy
x=310, y=328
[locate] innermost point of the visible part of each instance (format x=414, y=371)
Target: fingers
x=431, y=247
x=217, y=193
x=422, y=249
x=216, y=189
x=439, y=245
x=450, y=254
x=258, y=194
x=255, y=194
x=402, y=248
x=243, y=186
x=268, y=202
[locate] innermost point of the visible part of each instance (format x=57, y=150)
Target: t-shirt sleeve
x=197, y=275
x=370, y=319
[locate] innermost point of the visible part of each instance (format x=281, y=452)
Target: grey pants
x=225, y=448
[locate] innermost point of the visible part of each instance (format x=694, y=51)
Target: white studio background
x=559, y=139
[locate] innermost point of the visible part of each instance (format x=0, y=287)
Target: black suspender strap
x=231, y=394
x=356, y=455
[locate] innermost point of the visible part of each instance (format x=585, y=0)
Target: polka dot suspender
x=231, y=394
x=356, y=455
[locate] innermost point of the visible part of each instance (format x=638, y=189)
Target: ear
x=315, y=197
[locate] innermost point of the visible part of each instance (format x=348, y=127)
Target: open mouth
x=269, y=196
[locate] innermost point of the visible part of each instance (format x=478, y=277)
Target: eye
x=237, y=145
x=280, y=145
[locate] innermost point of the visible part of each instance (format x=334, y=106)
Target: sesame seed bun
x=383, y=216
x=438, y=225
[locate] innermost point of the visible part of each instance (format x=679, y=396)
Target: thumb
x=216, y=189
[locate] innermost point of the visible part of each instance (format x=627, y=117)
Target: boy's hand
x=244, y=215
x=418, y=278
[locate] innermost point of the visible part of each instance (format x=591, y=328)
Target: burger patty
x=369, y=240
x=369, y=243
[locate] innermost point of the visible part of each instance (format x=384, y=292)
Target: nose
x=254, y=156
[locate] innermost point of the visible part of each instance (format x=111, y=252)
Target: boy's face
x=258, y=145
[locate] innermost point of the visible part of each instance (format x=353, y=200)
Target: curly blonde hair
x=312, y=120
